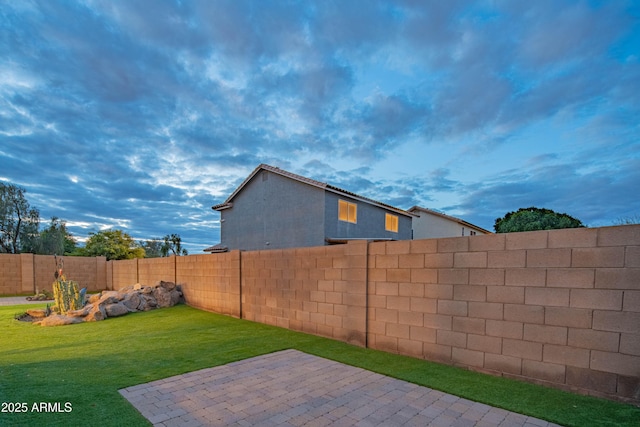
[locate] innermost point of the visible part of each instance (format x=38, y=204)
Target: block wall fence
x=559, y=308
x=28, y=273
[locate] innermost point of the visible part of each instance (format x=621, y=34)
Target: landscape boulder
x=116, y=310
x=59, y=319
x=37, y=313
x=118, y=303
x=131, y=301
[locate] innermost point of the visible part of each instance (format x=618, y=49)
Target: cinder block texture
x=153, y=270
x=210, y=282
x=125, y=273
x=11, y=274
x=560, y=307
x=326, y=287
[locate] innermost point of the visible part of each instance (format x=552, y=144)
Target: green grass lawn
x=86, y=364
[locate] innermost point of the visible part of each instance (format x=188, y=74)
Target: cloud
x=557, y=36
x=146, y=113
x=563, y=187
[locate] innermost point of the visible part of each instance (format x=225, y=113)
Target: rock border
x=107, y=304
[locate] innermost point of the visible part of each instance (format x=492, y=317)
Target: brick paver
x=291, y=388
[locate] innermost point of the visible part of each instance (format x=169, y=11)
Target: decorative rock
x=175, y=297
x=109, y=299
x=115, y=310
x=95, y=316
x=37, y=313
x=163, y=297
x=58, y=320
x=81, y=312
x=118, y=303
x=167, y=285
x=148, y=302
x=115, y=294
x=131, y=301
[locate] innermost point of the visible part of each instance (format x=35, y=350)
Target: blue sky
x=141, y=115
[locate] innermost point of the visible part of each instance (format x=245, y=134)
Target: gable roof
x=449, y=217
x=318, y=184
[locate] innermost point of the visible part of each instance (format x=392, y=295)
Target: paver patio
x=292, y=388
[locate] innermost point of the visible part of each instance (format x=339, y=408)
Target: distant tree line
x=532, y=218
x=20, y=233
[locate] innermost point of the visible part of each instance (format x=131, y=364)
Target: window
x=391, y=223
x=347, y=211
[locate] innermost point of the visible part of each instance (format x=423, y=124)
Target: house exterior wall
x=428, y=226
x=274, y=212
x=370, y=221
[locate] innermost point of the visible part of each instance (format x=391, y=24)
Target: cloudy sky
x=141, y=115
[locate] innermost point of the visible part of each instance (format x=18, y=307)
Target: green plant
x=21, y=315
x=67, y=295
x=531, y=219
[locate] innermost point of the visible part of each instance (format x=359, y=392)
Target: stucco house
x=275, y=209
x=428, y=224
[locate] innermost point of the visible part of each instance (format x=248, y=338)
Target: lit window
x=391, y=223
x=347, y=211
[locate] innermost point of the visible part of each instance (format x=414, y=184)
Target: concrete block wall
x=88, y=272
x=211, y=282
x=319, y=290
x=153, y=270
x=28, y=273
x=555, y=307
x=123, y=273
x=11, y=274
x=44, y=267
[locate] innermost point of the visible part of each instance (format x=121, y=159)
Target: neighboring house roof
x=415, y=209
x=228, y=203
x=216, y=248
x=338, y=241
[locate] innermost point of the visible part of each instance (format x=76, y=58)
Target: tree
x=113, y=244
x=173, y=244
x=56, y=240
x=18, y=220
x=152, y=248
x=627, y=220
x=530, y=219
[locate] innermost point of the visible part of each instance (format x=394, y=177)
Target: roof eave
x=222, y=206
x=355, y=196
